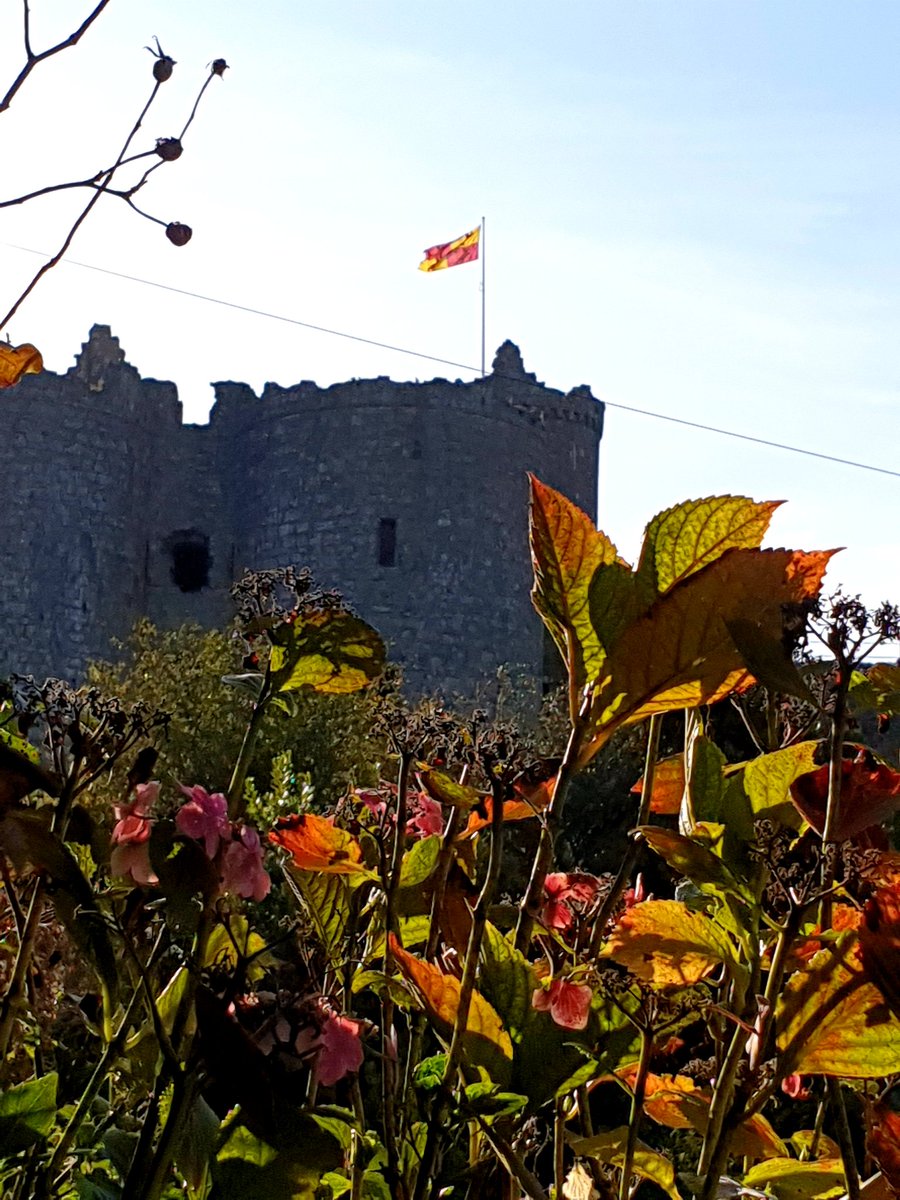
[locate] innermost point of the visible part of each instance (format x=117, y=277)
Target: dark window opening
x=191, y=560
x=387, y=542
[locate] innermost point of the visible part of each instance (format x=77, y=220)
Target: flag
x=451, y=254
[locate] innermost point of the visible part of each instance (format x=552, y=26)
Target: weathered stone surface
x=106, y=496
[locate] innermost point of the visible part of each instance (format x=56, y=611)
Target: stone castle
x=411, y=498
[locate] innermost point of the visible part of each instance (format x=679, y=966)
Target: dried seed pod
x=178, y=234
x=169, y=148
x=162, y=68
x=219, y=66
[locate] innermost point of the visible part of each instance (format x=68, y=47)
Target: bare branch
x=33, y=59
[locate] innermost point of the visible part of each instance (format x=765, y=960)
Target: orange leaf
x=566, y=550
x=314, y=844
x=668, y=786
x=16, y=361
x=870, y=793
x=883, y=1138
x=534, y=800
x=485, y=1043
x=665, y=944
x=680, y=653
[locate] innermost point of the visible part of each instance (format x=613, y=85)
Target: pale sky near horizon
x=691, y=207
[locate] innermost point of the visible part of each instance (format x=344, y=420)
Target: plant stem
x=236, y=799
x=844, y=1136
x=559, y=1147
x=637, y=1108
x=529, y=1182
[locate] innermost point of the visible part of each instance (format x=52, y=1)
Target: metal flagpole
x=482, y=295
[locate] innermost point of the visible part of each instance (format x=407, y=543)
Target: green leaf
x=788, y=1179
x=507, y=981
x=430, y=1071
x=446, y=790
x=609, y=1148
x=248, y=1166
x=420, y=861
x=326, y=650
x=683, y=539
x=488, y=1100
x=706, y=785
x=699, y=864
x=768, y=779
x=196, y=1145
x=27, y=1114
x=325, y=899
x=876, y=690
x=187, y=878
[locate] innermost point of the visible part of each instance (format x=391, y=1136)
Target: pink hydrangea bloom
x=795, y=1087
x=204, y=816
x=560, y=892
x=242, y=866
x=340, y=1048
x=131, y=833
x=569, y=1004
x=426, y=816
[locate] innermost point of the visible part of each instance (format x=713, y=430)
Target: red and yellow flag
x=451, y=254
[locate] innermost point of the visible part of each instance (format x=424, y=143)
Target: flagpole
x=482, y=295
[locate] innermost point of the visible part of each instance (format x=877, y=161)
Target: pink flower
x=131, y=833
x=204, y=816
x=569, y=1004
x=340, y=1048
x=373, y=801
x=242, y=866
x=560, y=891
x=794, y=1087
x=426, y=816
x=635, y=895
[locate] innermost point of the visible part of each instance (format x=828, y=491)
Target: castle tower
x=411, y=498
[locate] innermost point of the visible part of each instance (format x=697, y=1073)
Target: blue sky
x=691, y=206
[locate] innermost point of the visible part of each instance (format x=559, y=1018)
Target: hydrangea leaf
x=664, y=944
x=609, y=1148
x=507, y=980
x=326, y=650
x=668, y=786
x=27, y=1113
x=315, y=844
x=788, y=1179
x=768, y=779
x=485, y=1043
x=689, y=536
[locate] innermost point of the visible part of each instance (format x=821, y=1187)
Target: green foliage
x=180, y=672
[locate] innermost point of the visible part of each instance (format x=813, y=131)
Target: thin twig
x=34, y=59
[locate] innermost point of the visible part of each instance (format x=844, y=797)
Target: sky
x=690, y=206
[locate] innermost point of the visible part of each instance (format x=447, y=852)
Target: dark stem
x=34, y=59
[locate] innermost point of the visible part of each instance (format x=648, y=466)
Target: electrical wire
x=448, y=362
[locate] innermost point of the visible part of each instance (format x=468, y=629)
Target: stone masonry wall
x=411, y=498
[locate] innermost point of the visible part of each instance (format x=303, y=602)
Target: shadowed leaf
x=27, y=1114
x=507, y=980
x=325, y=898
x=328, y=651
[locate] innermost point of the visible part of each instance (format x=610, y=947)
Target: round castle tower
x=411, y=498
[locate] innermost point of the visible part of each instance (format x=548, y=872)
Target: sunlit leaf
x=566, y=550
x=325, y=899
x=688, y=536
x=680, y=653
x=768, y=778
x=315, y=844
x=446, y=790
x=648, y=1164
x=706, y=782
x=16, y=361
x=227, y=944
x=327, y=650
x=668, y=786
x=831, y=1020
x=870, y=794
x=877, y=689
x=507, y=980
x=813, y=1144
x=420, y=861
x=485, y=1043
x=513, y=810
x=689, y=857
x=788, y=1179
x=664, y=944
x=27, y=1113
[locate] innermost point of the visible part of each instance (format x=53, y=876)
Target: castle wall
x=410, y=498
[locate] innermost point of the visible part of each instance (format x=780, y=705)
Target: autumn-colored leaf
x=787, y=1179
x=326, y=650
x=513, y=810
x=315, y=844
x=768, y=778
x=609, y=1147
x=879, y=943
x=680, y=653
x=691, y=858
x=685, y=538
x=16, y=361
x=485, y=1043
x=664, y=944
x=566, y=550
x=678, y=1103
x=832, y=1020
x=668, y=786
x=870, y=794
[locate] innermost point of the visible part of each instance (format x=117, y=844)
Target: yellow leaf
x=328, y=650
x=16, y=361
x=665, y=944
x=485, y=1043
x=768, y=779
x=566, y=550
x=830, y=1020
x=788, y=1179
x=648, y=1164
x=691, y=535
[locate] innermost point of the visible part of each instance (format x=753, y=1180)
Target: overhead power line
x=448, y=362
